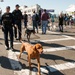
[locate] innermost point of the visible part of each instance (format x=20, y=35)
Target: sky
x=57, y=5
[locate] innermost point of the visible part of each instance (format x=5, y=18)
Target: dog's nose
x=42, y=52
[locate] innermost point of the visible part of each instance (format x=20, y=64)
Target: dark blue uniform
x=17, y=20
x=7, y=22
x=25, y=17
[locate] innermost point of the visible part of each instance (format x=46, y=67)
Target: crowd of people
x=11, y=23
x=65, y=19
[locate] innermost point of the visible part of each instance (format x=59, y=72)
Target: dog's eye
x=39, y=47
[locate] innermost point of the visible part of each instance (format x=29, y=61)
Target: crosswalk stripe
x=51, y=40
x=59, y=67
x=59, y=49
x=60, y=39
x=52, y=49
x=16, y=65
x=13, y=60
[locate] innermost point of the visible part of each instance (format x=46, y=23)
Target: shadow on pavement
x=1, y=39
x=50, y=44
x=55, y=57
x=1, y=43
x=5, y=63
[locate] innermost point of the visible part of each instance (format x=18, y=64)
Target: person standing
x=34, y=21
x=44, y=19
x=25, y=17
x=61, y=22
x=65, y=19
x=40, y=18
x=74, y=19
x=52, y=20
x=0, y=15
x=7, y=23
x=17, y=20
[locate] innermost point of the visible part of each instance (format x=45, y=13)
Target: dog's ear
x=34, y=47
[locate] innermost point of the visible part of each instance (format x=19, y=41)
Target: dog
x=29, y=32
x=33, y=51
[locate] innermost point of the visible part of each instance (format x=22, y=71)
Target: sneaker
x=11, y=48
x=7, y=48
x=20, y=39
x=16, y=38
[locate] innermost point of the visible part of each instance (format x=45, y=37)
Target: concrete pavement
x=58, y=57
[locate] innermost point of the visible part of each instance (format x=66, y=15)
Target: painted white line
x=59, y=49
x=44, y=70
x=60, y=39
x=52, y=49
x=16, y=65
x=60, y=67
x=62, y=35
x=13, y=60
x=28, y=72
x=15, y=43
x=22, y=72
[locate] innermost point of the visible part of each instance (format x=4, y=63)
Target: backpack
x=37, y=17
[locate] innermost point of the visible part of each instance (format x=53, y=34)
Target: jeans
x=61, y=28
x=10, y=31
x=35, y=25
x=44, y=26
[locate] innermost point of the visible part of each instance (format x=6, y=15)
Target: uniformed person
x=7, y=27
x=17, y=20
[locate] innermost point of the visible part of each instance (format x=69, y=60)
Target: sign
x=48, y=10
x=51, y=10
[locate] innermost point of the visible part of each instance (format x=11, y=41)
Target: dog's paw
x=19, y=57
x=38, y=73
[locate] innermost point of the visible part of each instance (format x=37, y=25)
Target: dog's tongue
x=41, y=53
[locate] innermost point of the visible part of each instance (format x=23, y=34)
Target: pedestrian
x=0, y=15
x=25, y=17
x=34, y=21
x=52, y=21
x=65, y=19
x=74, y=19
x=61, y=22
x=17, y=20
x=7, y=23
x=39, y=18
x=44, y=19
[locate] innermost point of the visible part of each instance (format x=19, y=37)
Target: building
x=29, y=10
x=71, y=9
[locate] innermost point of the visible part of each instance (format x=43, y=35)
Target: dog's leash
x=18, y=29
x=21, y=32
x=37, y=36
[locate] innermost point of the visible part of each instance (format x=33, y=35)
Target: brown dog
x=33, y=51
